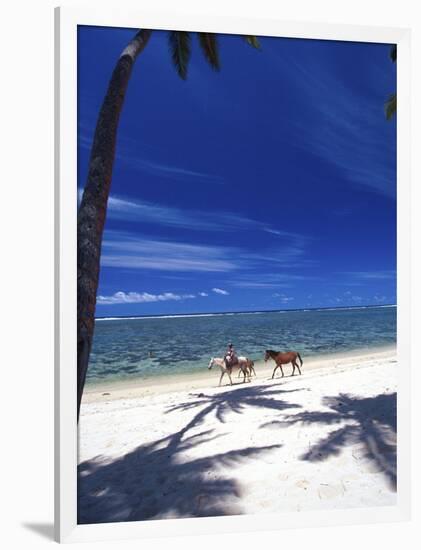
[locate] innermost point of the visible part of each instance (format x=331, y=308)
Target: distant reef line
x=225, y=313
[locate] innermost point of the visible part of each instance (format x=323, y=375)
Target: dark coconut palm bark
x=93, y=207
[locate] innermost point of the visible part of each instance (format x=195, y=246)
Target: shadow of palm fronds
x=236, y=401
x=368, y=423
x=166, y=478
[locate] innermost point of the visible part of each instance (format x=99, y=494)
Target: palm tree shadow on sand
x=369, y=426
x=156, y=481
x=237, y=401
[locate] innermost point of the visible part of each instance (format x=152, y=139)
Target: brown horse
x=283, y=358
x=249, y=367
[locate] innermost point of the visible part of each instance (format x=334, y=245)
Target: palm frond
x=393, y=53
x=390, y=106
x=209, y=45
x=252, y=41
x=179, y=42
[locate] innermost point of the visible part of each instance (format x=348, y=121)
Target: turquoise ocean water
x=184, y=344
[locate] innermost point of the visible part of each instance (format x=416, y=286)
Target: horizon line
x=361, y=306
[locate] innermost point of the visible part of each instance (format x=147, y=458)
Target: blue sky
x=268, y=185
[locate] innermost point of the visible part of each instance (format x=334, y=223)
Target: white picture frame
x=66, y=23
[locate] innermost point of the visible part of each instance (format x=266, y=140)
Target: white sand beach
x=186, y=448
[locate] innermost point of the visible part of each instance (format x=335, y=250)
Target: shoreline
x=165, y=384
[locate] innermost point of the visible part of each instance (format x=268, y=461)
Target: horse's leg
x=282, y=370
x=222, y=375
x=299, y=370
x=293, y=368
x=245, y=371
x=274, y=370
x=229, y=376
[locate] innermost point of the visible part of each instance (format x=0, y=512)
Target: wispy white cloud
x=133, y=251
x=128, y=156
x=169, y=171
x=203, y=294
x=283, y=297
x=371, y=275
x=340, y=131
x=84, y=140
x=220, y=291
x=269, y=280
x=126, y=251
x=140, y=211
x=273, y=231
x=258, y=284
x=140, y=298
x=281, y=233
x=164, y=215
x=286, y=255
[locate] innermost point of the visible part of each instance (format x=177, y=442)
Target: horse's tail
x=299, y=357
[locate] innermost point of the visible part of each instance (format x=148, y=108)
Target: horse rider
x=230, y=357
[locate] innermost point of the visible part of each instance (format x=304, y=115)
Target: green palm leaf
x=180, y=51
x=393, y=53
x=209, y=46
x=390, y=106
x=252, y=41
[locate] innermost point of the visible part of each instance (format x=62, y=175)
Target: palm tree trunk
x=93, y=207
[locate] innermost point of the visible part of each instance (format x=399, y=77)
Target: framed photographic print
x=232, y=274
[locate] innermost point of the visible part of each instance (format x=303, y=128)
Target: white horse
x=244, y=364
